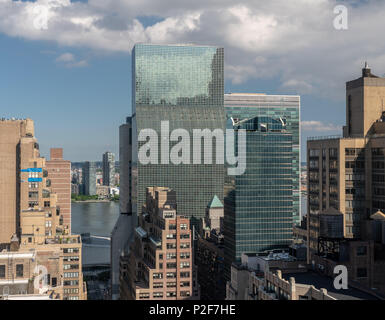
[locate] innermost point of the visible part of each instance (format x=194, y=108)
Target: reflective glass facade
x=243, y=106
x=259, y=203
x=184, y=85
x=89, y=178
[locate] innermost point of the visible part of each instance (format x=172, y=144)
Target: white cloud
x=77, y=64
x=65, y=57
x=320, y=126
x=299, y=86
x=292, y=40
x=69, y=61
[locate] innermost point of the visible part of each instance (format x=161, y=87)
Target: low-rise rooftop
x=320, y=281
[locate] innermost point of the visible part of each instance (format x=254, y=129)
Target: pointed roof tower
x=215, y=203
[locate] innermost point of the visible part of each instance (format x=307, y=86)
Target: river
x=97, y=218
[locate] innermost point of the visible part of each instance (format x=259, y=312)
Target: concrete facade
x=39, y=236
x=347, y=174
x=59, y=172
x=160, y=262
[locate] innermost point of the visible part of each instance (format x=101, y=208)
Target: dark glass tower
x=89, y=178
x=183, y=84
x=259, y=203
x=287, y=107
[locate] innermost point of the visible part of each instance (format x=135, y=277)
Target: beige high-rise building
x=59, y=172
x=346, y=183
x=160, y=263
x=38, y=256
x=11, y=133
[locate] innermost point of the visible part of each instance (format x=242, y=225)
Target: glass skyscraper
x=259, y=203
x=287, y=107
x=182, y=84
x=89, y=178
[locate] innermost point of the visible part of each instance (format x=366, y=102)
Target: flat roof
x=319, y=281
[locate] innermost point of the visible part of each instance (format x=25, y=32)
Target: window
x=69, y=259
x=71, y=266
x=71, y=290
x=70, y=250
x=33, y=195
x=158, y=285
x=158, y=294
x=183, y=226
x=71, y=274
x=54, y=282
x=171, y=294
x=171, y=256
x=171, y=284
x=157, y=276
x=185, y=274
x=19, y=270
x=71, y=282
x=314, y=152
x=185, y=245
x=171, y=275
x=184, y=236
x=185, y=265
x=33, y=185
x=2, y=271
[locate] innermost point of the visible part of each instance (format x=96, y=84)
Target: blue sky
x=74, y=79
x=79, y=109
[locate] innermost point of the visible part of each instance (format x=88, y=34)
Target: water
x=97, y=218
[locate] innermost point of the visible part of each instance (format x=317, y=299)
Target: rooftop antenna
x=366, y=65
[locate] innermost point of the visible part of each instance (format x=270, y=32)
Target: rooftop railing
x=324, y=137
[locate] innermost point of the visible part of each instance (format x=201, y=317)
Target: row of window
x=19, y=271
x=160, y=294
x=183, y=226
x=71, y=274
x=182, y=236
x=71, y=290
x=70, y=250
x=71, y=282
x=170, y=275
x=316, y=152
x=158, y=285
x=183, y=245
x=71, y=258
